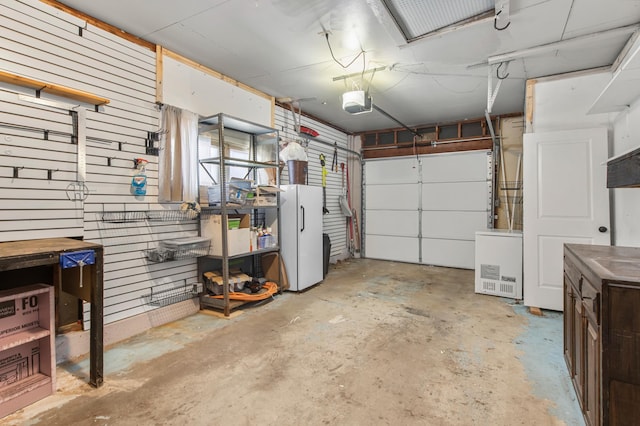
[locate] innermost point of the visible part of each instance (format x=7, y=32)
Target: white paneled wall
x=334, y=223
x=43, y=43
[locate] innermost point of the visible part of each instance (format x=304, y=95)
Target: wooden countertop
x=15, y=254
x=612, y=263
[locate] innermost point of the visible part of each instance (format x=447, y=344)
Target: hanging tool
x=344, y=204
x=356, y=231
x=346, y=210
x=324, y=185
x=353, y=215
x=334, y=161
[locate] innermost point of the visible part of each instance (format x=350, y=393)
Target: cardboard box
x=19, y=363
x=266, y=195
x=238, y=240
x=18, y=313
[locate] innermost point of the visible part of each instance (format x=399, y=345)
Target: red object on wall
x=308, y=131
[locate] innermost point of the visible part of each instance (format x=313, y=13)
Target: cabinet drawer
x=572, y=272
x=590, y=300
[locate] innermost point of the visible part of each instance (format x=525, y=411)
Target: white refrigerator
x=301, y=234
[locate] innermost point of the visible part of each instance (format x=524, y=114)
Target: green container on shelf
x=233, y=223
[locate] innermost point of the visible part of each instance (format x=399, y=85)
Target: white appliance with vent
x=499, y=263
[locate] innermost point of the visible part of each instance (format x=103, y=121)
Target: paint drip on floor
x=541, y=344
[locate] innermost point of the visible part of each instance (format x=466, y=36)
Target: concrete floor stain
x=377, y=342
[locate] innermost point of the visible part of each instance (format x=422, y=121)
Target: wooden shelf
x=23, y=337
x=211, y=302
x=53, y=89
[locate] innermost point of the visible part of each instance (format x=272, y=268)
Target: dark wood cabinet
x=602, y=331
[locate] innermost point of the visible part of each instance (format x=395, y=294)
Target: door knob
x=603, y=229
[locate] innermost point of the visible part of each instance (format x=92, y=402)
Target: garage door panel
x=402, y=249
x=392, y=197
x=395, y=223
x=465, y=196
x=429, y=215
x=402, y=170
x=451, y=253
x=453, y=224
x=455, y=167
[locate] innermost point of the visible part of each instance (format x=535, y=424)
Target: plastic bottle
x=139, y=181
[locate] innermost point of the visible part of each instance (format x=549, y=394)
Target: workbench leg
x=96, y=344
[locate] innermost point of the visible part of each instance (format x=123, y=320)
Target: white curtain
x=178, y=161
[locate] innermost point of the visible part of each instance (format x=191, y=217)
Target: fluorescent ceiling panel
x=418, y=18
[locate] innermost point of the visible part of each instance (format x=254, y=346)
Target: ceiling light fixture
x=356, y=102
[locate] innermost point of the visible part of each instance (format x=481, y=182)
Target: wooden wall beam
x=102, y=25
x=428, y=149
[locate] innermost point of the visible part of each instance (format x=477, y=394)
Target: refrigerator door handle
x=302, y=209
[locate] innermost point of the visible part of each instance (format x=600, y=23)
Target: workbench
x=30, y=262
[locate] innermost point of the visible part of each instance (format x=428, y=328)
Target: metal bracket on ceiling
x=502, y=13
x=492, y=92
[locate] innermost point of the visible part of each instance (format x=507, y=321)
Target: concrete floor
x=377, y=343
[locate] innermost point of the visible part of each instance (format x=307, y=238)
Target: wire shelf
x=169, y=296
x=178, y=249
x=149, y=215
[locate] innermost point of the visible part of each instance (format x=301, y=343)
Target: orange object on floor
x=271, y=287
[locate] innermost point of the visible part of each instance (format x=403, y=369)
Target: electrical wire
x=337, y=61
x=271, y=287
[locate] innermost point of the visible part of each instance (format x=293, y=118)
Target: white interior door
x=565, y=201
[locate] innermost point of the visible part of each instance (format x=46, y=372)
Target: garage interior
x=321, y=212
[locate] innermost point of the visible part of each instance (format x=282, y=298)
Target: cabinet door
x=578, y=359
x=591, y=406
x=568, y=320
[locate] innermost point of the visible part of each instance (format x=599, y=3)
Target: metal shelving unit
x=246, y=147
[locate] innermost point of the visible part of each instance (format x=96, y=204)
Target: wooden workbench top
x=15, y=254
x=611, y=263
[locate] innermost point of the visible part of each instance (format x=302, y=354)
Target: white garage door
x=427, y=209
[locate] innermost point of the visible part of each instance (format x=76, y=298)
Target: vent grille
x=496, y=288
x=489, y=286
